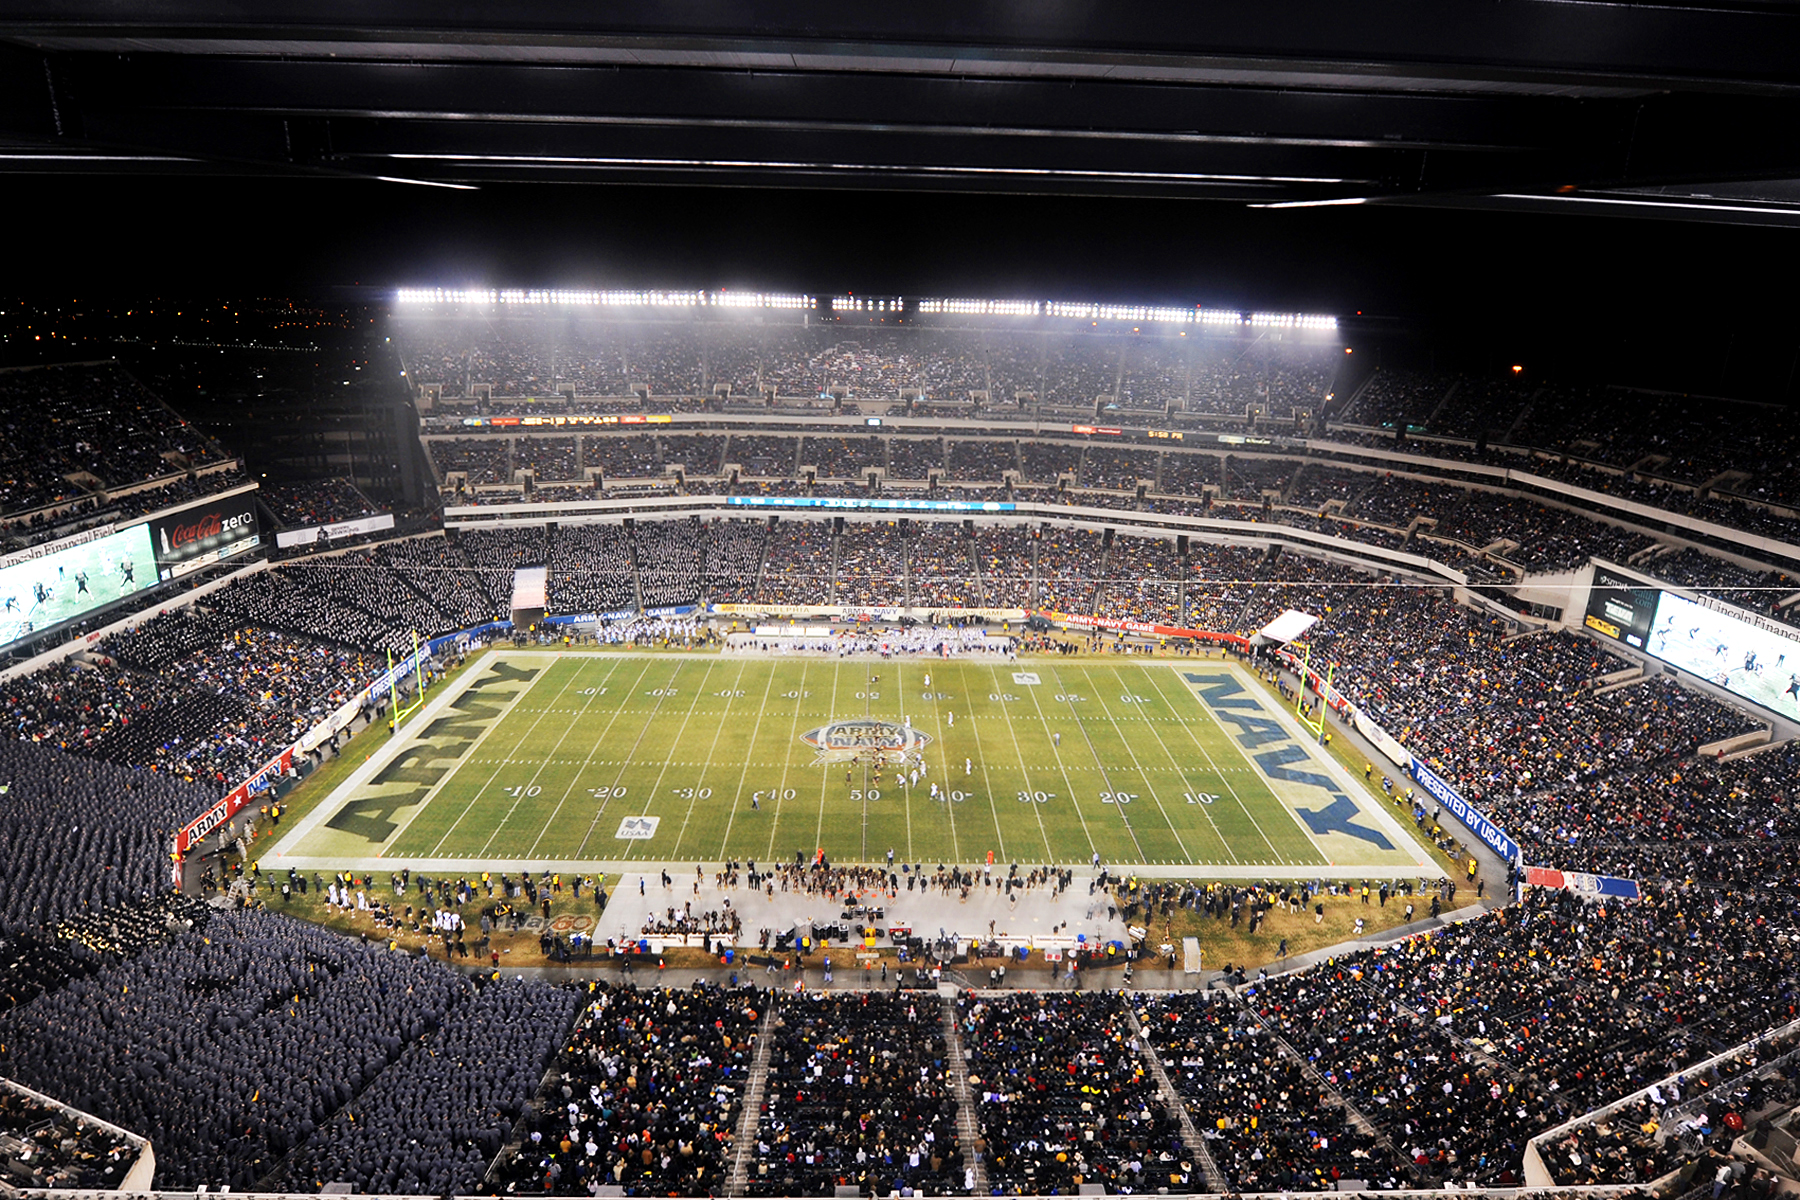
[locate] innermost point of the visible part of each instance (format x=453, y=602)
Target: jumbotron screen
x=43, y=592
x=1760, y=664
x=40, y=590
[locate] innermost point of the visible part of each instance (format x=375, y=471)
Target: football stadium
x=993, y=602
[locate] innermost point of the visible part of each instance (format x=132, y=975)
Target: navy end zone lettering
x=1232, y=706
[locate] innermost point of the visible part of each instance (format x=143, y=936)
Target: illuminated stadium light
x=530, y=297
x=841, y=304
x=957, y=306
x=762, y=300
x=1291, y=321
x=984, y=308
x=1136, y=313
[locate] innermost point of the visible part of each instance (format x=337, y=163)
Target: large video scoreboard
x=1752, y=657
x=46, y=586
x=1620, y=608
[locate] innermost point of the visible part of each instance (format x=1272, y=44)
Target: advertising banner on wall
x=1471, y=817
x=1143, y=628
x=314, y=534
x=1582, y=883
x=204, y=533
x=234, y=800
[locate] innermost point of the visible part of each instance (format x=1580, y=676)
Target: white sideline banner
x=330, y=533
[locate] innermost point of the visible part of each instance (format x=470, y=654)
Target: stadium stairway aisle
x=1215, y=1178
x=743, y=1149
x=968, y=1132
x=1357, y=1116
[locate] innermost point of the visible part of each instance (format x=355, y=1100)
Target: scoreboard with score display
x=1621, y=608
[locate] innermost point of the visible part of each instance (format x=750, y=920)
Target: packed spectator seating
x=1141, y=581
x=915, y=458
x=1046, y=462
x=1005, y=558
x=871, y=565
x=443, y=572
x=798, y=566
x=1190, y=474
x=734, y=555
x=843, y=457
x=652, y=1081
x=697, y=454
x=44, y=1146
x=93, y=422
x=548, y=458
x=762, y=455
x=1394, y=398
x=1119, y=470
x=1247, y=477
x=1068, y=563
x=494, y=554
x=228, y=1049
x=82, y=834
x=315, y=502
x=942, y=573
x=355, y=599
x=670, y=555
x=1052, y=1126
x=858, y=1096
x=432, y=1121
x=622, y=456
x=1268, y=1126
x=265, y=1054
x=591, y=569
x=1316, y=484
x=480, y=460
x=145, y=721
x=983, y=460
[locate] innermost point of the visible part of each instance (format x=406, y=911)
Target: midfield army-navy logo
x=865, y=738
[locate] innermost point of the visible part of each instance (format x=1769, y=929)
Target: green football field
x=606, y=759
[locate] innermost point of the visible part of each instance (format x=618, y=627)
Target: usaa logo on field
x=865, y=737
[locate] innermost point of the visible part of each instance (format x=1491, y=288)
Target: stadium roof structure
x=1658, y=109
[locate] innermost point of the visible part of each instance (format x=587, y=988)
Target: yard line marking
x=943, y=744
x=1124, y=817
x=630, y=755
x=1129, y=749
x=1020, y=755
x=737, y=796
x=743, y=664
x=1236, y=799
x=468, y=808
x=1206, y=810
x=575, y=779
x=699, y=690
x=567, y=729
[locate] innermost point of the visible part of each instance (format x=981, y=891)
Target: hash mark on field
x=601, y=811
x=718, y=728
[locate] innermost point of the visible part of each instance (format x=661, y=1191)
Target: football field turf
x=579, y=760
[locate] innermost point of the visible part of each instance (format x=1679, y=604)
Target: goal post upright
x=1306, y=672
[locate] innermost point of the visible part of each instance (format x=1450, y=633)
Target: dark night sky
x=1566, y=289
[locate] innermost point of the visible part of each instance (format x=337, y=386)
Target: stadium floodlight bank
x=414, y=298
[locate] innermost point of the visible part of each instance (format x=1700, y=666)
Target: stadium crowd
x=858, y=1095
x=651, y=1086
x=1065, y=1098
